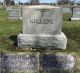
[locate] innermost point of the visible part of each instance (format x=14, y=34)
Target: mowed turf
x=8, y=28
x=72, y=31
x=11, y=28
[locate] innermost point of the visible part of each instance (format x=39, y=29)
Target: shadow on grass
x=67, y=16
x=14, y=39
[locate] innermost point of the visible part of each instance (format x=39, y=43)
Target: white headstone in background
x=76, y=14
x=14, y=14
x=42, y=25
x=66, y=10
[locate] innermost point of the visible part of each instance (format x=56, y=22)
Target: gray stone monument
x=76, y=14
x=14, y=14
x=20, y=63
x=66, y=10
x=42, y=28
x=56, y=63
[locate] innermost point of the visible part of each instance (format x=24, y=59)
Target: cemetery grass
x=9, y=30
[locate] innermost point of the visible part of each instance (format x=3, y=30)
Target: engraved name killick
x=41, y=21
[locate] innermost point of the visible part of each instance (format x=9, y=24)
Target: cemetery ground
x=9, y=29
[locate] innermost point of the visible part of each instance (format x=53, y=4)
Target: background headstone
x=76, y=14
x=42, y=28
x=56, y=63
x=66, y=10
x=14, y=14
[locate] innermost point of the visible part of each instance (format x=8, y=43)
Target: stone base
x=42, y=41
x=77, y=19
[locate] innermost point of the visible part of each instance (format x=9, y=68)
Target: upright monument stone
x=42, y=28
x=76, y=14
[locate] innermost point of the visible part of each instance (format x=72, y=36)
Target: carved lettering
x=41, y=21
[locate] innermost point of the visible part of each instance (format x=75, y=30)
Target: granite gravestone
x=42, y=26
x=20, y=62
x=14, y=14
x=56, y=63
x=76, y=14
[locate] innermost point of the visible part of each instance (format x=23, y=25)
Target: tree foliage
x=9, y=2
x=34, y=2
x=63, y=2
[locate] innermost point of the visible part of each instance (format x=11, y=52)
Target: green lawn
x=72, y=31
x=70, y=28
x=7, y=29
x=11, y=27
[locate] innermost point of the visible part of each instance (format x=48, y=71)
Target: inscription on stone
x=20, y=63
x=48, y=18
x=51, y=62
x=41, y=21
